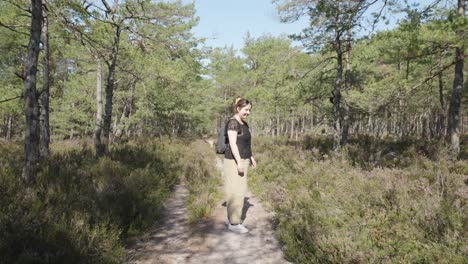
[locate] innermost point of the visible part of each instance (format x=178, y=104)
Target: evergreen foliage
x=393, y=194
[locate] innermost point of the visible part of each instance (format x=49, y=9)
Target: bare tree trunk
x=338, y=83
x=442, y=130
x=424, y=130
x=98, y=125
x=357, y=126
x=432, y=124
x=389, y=122
x=3, y=128
x=110, y=89
x=462, y=129
x=369, y=125
x=292, y=125
x=31, y=144
x=348, y=84
x=126, y=111
x=455, y=99
x=9, y=130
x=277, y=124
x=45, y=128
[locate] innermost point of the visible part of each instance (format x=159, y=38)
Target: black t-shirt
x=243, y=139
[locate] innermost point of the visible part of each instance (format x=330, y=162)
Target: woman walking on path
x=237, y=158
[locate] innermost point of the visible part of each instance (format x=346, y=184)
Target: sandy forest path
x=208, y=241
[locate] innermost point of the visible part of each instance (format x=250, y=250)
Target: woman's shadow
x=245, y=207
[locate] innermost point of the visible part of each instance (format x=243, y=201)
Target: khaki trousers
x=235, y=187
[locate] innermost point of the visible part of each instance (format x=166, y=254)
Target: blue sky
x=226, y=22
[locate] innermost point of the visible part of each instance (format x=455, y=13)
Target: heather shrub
x=327, y=210
x=83, y=209
x=368, y=152
x=202, y=179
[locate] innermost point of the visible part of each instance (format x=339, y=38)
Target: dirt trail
x=175, y=241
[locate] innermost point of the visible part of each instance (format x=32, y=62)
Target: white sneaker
x=238, y=228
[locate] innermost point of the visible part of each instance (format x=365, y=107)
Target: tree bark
x=338, y=83
x=98, y=125
x=441, y=128
x=424, y=127
x=277, y=122
x=110, y=89
x=45, y=128
x=455, y=99
x=9, y=131
x=126, y=111
x=432, y=124
x=292, y=124
x=388, y=116
x=31, y=144
x=344, y=135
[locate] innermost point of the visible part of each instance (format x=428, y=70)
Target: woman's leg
x=235, y=188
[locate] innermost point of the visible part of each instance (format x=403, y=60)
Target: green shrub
x=329, y=211
x=368, y=152
x=202, y=179
x=82, y=209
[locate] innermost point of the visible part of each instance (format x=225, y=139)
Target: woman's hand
x=253, y=163
x=240, y=169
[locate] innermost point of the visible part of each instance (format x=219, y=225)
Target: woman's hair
x=240, y=102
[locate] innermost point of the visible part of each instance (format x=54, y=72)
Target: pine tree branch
x=12, y=28
x=19, y=7
x=108, y=8
x=379, y=15
x=412, y=89
x=11, y=99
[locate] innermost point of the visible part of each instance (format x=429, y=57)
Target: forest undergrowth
x=203, y=180
x=376, y=202
x=379, y=201
x=83, y=209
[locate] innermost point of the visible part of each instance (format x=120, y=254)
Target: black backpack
x=221, y=143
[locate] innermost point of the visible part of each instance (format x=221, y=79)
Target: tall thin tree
x=45, y=128
x=98, y=125
x=31, y=143
x=455, y=99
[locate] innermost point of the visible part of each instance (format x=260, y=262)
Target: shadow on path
x=245, y=208
x=174, y=240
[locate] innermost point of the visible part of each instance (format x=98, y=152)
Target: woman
x=237, y=158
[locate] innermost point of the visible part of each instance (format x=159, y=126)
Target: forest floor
x=175, y=240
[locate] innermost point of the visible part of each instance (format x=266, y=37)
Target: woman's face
x=244, y=112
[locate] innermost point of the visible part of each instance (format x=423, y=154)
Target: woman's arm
x=232, y=135
x=253, y=163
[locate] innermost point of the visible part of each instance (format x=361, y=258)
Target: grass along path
x=208, y=241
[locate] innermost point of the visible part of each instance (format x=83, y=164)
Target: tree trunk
x=31, y=144
x=9, y=130
x=338, y=83
x=454, y=108
x=98, y=128
x=424, y=128
x=291, y=135
x=389, y=122
x=126, y=111
x=369, y=125
x=432, y=124
x=344, y=135
x=110, y=89
x=442, y=130
x=277, y=129
x=45, y=128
